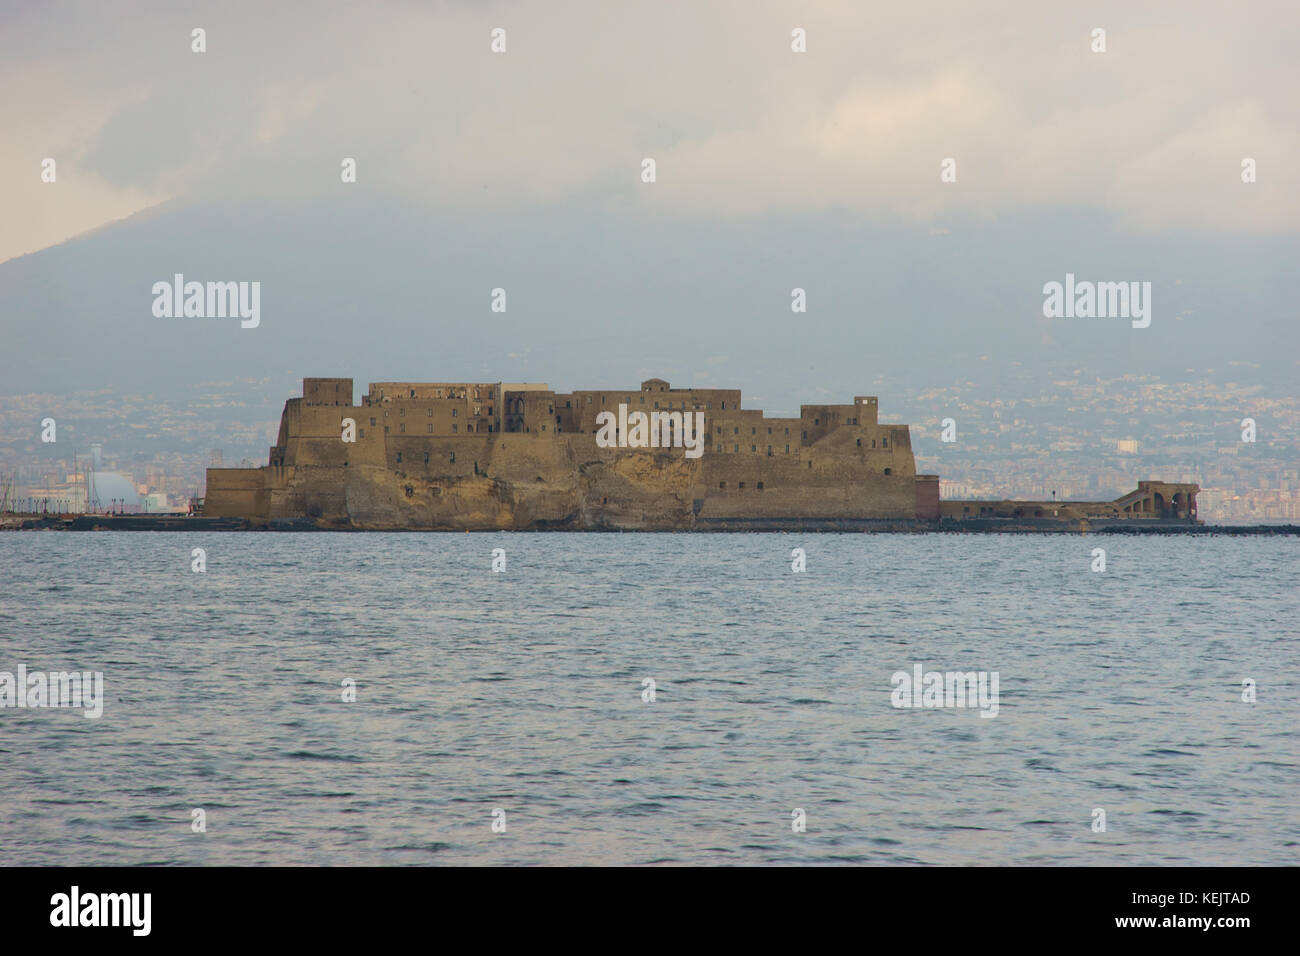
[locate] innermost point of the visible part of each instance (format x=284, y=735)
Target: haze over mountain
x=522, y=170
x=382, y=290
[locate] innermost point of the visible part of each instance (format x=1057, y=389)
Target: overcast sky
x=1150, y=133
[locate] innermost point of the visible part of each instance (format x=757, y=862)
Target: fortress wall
x=322, y=495
x=902, y=461
x=316, y=435
x=284, y=498
x=439, y=408
x=528, y=456
x=579, y=414
x=327, y=391
x=832, y=488
x=891, y=456
x=473, y=482
x=735, y=433
x=410, y=476
x=450, y=456
x=237, y=493
x=562, y=477
x=927, y=497
x=817, y=421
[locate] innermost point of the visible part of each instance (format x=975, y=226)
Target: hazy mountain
x=382, y=289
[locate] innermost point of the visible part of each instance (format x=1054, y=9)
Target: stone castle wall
x=494, y=456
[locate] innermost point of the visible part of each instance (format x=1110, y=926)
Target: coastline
x=170, y=522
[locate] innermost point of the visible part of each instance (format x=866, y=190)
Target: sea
x=651, y=699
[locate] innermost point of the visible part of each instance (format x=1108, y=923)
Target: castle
x=518, y=456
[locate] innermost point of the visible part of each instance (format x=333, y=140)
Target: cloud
x=1151, y=133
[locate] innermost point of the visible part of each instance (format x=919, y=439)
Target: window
x=385, y=429
x=399, y=457
x=453, y=458
x=722, y=484
x=787, y=449
x=426, y=457
x=753, y=448
x=402, y=427
x=889, y=471
x=372, y=421
x=769, y=451
x=753, y=431
x=859, y=442
x=873, y=443
x=884, y=443
x=742, y=484
x=736, y=430
x=760, y=486
x=817, y=421
x=455, y=412
x=455, y=428
x=401, y=412
x=363, y=433
x=769, y=430
x=429, y=428
x=805, y=436
x=735, y=448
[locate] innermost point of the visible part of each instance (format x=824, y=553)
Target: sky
x=1152, y=131
x=1128, y=160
